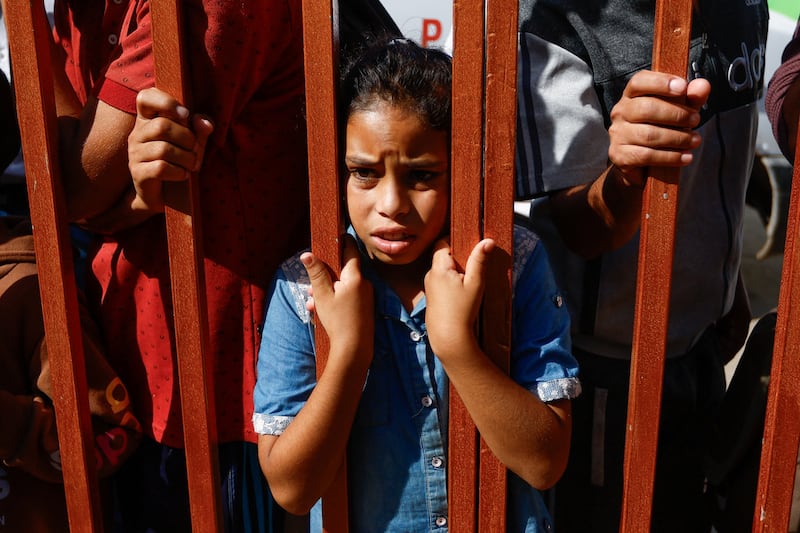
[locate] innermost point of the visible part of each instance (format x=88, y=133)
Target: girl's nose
x=392, y=197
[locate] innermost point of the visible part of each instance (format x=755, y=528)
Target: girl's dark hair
x=402, y=73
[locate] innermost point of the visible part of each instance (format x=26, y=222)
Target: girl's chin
x=411, y=260
x=392, y=259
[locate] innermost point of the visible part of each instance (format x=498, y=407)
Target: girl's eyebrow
x=425, y=162
x=359, y=159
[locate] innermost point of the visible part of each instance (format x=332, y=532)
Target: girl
x=400, y=319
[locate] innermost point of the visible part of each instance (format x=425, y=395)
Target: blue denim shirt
x=397, y=454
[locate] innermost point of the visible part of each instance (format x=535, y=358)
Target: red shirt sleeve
x=131, y=70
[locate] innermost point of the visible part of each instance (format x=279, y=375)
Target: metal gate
x=484, y=74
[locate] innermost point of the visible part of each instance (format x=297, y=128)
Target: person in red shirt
x=245, y=65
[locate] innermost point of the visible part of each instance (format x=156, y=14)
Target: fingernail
x=677, y=85
x=182, y=111
x=305, y=259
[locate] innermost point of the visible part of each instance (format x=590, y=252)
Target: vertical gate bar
x=321, y=50
x=782, y=425
x=657, y=238
x=465, y=232
x=29, y=43
x=184, y=237
x=498, y=201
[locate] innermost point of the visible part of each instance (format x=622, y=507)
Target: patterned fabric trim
x=524, y=243
x=558, y=389
x=299, y=284
x=270, y=424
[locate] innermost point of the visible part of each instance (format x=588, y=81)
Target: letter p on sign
x=431, y=31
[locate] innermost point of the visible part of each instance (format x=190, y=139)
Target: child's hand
x=453, y=299
x=344, y=306
x=166, y=144
x=652, y=124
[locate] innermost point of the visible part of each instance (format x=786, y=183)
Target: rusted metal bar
x=184, y=236
x=321, y=50
x=782, y=425
x=465, y=232
x=29, y=43
x=498, y=213
x=673, y=20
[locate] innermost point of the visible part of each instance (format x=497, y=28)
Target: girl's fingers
x=318, y=274
x=475, y=272
x=442, y=256
x=351, y=268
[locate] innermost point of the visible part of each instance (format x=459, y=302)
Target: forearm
x=529, y=437
x=600, y=216
x=301, y=463
x=92, y=145
x=93, y=157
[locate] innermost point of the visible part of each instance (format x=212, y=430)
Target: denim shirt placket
x=426, y=386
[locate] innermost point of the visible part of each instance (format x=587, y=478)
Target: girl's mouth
x=392, y=242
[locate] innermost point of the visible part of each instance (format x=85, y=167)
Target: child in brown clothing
x=31, y=493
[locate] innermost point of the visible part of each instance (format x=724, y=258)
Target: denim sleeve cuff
x=270, y=424
x=558, y=389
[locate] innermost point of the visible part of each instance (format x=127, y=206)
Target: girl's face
x=398, y=183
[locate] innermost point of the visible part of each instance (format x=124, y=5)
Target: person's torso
x=615, y=41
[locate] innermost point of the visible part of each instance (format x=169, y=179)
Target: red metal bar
x=782, y=425
x=498, y=205
x=29, y=40
x=657, y=238
x=321, y=49
x=184, y=235
x=465, y=232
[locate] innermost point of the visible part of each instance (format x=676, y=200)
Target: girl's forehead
x=382, y=104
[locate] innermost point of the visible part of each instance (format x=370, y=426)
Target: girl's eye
x=362, y=173
x=423, y=175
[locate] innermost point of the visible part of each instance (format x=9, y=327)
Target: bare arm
x=93, y=146
x=651, y=126
x=527, y=435
x=301, y=463
x=93, y=156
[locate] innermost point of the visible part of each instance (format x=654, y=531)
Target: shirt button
x=437, y=462
x=441, y=521
x=427, y=401
x=415, y=336
x=112, y=39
